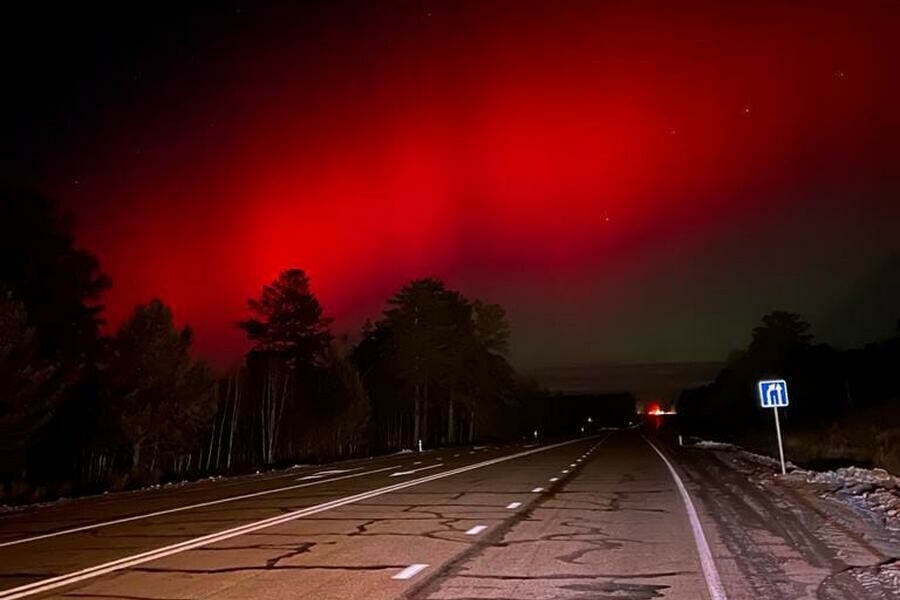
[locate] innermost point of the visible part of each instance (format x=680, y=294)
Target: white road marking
x=572, y=465
x=52, y=583
x=565, y=471
x=710, y=573
x=410, y=571
x=476, y=530
x=553, y=479
x=308, y=477
x=411, y=471
x=337, y=471
x=178, y=509
x=418, y=462
x=456, y=455
x=537, y=490
x=513, y=505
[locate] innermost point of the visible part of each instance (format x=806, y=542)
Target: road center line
x=51, y=583
x=410, y=571
x=710, y=573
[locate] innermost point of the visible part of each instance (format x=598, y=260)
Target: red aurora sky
x=632, y=180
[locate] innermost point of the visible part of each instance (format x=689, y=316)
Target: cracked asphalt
x=596, y=518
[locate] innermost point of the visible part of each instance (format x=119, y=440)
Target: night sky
x=632, y=180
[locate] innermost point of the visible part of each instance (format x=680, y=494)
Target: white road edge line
x=476, y=530
x=710, y=573
x=410, y=571
x=169, y=511
x=51, y=583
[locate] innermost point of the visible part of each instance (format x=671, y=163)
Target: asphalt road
x=597, y=518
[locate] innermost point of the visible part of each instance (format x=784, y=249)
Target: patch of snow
x=708, y=445
x=873, y=491
x=744, y=455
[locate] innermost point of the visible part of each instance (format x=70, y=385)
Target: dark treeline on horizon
x=82, y=412
x=844, y=404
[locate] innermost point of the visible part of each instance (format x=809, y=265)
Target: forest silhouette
x=84, y=411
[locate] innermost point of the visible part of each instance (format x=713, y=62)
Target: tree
x=429, y=326
x=290, y=335
x=491, y=327
x=780, y=332
x=161, y=396
x=58, y=285
x=288, y=319
x=29, y=387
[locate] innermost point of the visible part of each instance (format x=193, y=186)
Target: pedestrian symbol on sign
x=773, y=393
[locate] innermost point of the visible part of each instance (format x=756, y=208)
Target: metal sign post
x=772, y=394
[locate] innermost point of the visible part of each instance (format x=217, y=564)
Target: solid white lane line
x=710, y=573
x=476, y=530
x=513, y=505
x=51, y=583
x=410, y=571
x=411, y=471
x=169, y=511
x=537, y=490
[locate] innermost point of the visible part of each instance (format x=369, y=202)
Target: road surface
x=594, y=518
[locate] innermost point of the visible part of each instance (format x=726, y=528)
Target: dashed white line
x=537, y=490
x=126, y=562
x=410, y=571
x=554, y=479
x=476, y=530
x=564, y=471
x=513, y=505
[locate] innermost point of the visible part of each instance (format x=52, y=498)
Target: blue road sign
x=773, y=393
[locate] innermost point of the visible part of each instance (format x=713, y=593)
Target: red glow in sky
x=562, y=161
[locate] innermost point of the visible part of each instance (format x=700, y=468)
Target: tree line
x=844, y=404
x=84, y=411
